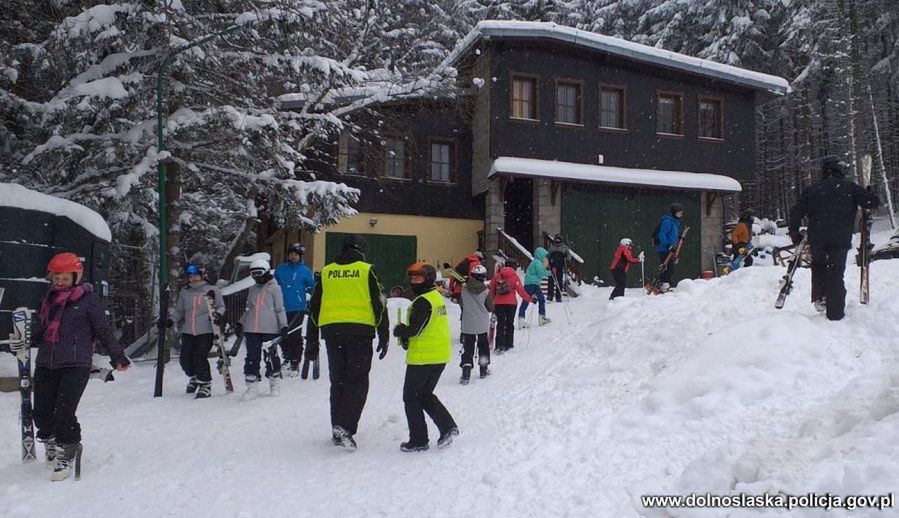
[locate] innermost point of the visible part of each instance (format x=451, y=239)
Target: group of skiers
x=348, y=310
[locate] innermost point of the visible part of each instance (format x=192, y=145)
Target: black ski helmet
x=834, y=165
x=557, y=239
x=512, y=263
x=675, y=208
x=296, y=248
x=355, y=242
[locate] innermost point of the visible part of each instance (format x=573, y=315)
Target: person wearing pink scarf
x=72, y=320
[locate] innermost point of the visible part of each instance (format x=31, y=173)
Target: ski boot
x=274, y=385
x=446, y=438
x=466, y=375
x=204, y=390
x=408, y=447
x=522, y=323
x=820, y=305
x=664, y=287
x=543, y=320
x=252, y=389
x=294, y=370
x=485, y=371
x=343, y=438
x=192, y=385
x=50, y=452
x=68, y=457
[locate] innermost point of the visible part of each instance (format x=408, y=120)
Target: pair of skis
x=654, y=287
x=787, y=281
x=738, y=261
x=224, y=356
x=21, y=332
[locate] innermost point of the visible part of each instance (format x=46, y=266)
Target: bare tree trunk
x=227, y=267
x=879, y=152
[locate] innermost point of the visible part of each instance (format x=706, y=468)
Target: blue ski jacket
x=668, y=233
x=296, y=281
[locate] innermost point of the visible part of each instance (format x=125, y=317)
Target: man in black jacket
x=347, y=307
x=831, y=206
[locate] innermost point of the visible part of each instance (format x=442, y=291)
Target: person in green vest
x=426, y=338
x=347, y=307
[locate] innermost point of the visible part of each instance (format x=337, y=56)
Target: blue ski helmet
x=193, y=269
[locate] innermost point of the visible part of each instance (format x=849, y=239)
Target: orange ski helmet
x=66, y=262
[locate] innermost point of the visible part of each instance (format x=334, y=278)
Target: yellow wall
x=439, y=239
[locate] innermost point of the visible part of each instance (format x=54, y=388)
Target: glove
x=16, y=345
x=400, y=329
x=554, y=272
x=121, y=364
x=404, y=343
x=169, y=323
x=796, y=237
x=382, y=348
x=642, y=257
x=869, y=189
x=284, y=333
x=238, y=329
x=216, y=318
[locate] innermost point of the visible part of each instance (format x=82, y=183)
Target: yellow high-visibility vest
x=346, y=298
x=432, y=345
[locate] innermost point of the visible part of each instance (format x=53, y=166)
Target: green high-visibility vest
x=346, y=298
x=432, y=345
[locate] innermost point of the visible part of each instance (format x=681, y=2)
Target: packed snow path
x=707, y=390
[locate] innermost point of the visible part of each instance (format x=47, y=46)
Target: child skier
x=621, y=263
x=477, y=304
x=262, y=321
x=191, y=316
x=426, y=339
x=535, y=273
x=503, y=287
x=295, y=280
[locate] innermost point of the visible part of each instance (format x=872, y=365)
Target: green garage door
x=594, y=219
x=390, y=255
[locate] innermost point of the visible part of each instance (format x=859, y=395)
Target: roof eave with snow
x=17, y=196
x=587, y=173
x=489, y=29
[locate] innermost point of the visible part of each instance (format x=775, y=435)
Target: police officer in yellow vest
x=426, y=338
x=347, y=307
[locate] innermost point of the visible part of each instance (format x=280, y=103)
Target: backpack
x=655, y=234
x=502, y=287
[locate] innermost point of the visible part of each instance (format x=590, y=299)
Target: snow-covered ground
x=707, y=390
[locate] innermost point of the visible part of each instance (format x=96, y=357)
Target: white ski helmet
x=626, y=242
x=259, y=267
x=479, y=272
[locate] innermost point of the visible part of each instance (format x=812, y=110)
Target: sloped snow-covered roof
x=499, y=29
x=512, y=166
x=14, y=195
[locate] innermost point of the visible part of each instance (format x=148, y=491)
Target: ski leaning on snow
x=865, y=246
x=787, y=281
x=491, y=334
x=224, y=357
x=653, y=287
x=738, y=261
x=21, y=327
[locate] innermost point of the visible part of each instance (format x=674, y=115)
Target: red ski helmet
x=66, y=262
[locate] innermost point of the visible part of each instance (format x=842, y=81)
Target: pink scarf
x=59, y=297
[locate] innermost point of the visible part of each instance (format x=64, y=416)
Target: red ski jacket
x=623, y=253
x=508, y=299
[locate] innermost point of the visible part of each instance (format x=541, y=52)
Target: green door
x=390, y=255
x=595, y=219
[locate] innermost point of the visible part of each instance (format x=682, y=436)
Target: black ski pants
x=468, y=342
x=349, y=362
x=292, y=347
x=194, y=357
x=505, y=326
x=828, y=267
x=553, y=288
x=620, y=277
x=254, y=356
x=668, y=272
x=418, y=398
x=57, y=393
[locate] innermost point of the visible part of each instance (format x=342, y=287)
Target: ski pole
x=564, y=302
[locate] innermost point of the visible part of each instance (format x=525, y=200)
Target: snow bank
x=14, y=195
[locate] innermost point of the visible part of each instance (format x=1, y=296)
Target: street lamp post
x=161, y=181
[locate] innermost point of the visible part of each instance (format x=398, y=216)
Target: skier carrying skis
x=621, y=263
x=295, y=279
x=477, y=304
x=503, y=287
x=558, y=259
x=262, y=321
x=464, y=266
x=348, y=307
x=191, y=316
x=667, y=236
x=426, y=339
x=533, y=276
x=72, y=317
x=830, y=206
x=740, y=238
